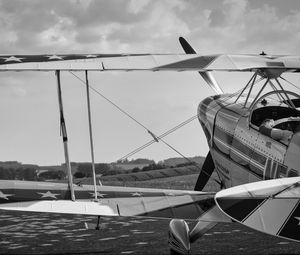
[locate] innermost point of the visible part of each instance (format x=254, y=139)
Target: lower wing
x=114, y=201
x=272, y=206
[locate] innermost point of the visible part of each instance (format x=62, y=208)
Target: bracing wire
x=129, y=115
x=295, y=86
x=157, y=138
x=143, y=126
x=111, y=102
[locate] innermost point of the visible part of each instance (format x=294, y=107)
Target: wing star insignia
x=4, y=196
x=91, y=56
x=98, y=194
x=137, y=194
x=12, y=58
x=170, y=194
x=298, y=218
x=55, y=57
x=48, y=194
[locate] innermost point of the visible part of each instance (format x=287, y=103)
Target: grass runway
x=37, y=233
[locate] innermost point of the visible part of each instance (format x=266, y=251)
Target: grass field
x=36, y=233
x=184, y=182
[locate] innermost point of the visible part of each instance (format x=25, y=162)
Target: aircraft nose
x=206, y=114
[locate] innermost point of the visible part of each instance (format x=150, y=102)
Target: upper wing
x=147, y=62
x=114, y=201
x=271, y=206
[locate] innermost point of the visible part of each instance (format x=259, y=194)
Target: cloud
x=41, y=25
x=244, y=27
x=74, y=26
x=235, y=10
x=161, y=25
x=265, y=29
x=143, y=25
x=136, y=6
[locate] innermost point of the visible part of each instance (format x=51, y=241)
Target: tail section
x=207, y=76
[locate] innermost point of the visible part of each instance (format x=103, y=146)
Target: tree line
x=82, y=170
x=29, y=174
x=85, y=169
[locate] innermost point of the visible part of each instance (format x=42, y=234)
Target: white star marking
x=98, y=194
x=298, y=218
x=91, y=56
x=13, y=58
x=4, y=196
x=170, y=194
x=136, y=194
x=55, y=57
x=48, y=194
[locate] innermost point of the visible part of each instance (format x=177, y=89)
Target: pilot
x=266, y=128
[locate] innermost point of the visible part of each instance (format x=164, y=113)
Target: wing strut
x=91, y=131
x=64, y=136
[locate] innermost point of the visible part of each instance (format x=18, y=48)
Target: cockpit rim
x=253, y=108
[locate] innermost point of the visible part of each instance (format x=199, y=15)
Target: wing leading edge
x=114, y=201
x=147, y=62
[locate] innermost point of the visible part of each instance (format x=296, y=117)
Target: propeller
x=207, y=169
x=207, y=76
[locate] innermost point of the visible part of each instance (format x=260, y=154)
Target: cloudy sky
x=28, y=101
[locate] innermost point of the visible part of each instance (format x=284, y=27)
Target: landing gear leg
x=98, y=224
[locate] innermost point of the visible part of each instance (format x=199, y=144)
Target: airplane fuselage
x=241, y=153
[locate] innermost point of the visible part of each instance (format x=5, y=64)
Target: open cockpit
x=273, y=111
x=275, y=116
x=273, y=106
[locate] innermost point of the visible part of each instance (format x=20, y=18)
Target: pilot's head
x=269, y=123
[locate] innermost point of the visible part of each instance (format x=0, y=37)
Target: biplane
x=253, y=137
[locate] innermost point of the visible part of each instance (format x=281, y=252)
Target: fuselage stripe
x=238, y=146
x=241, y=154
x=255, y=163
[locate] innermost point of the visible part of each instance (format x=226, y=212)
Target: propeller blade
x=207, y=76
x=206, y=171
x=188, y=49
